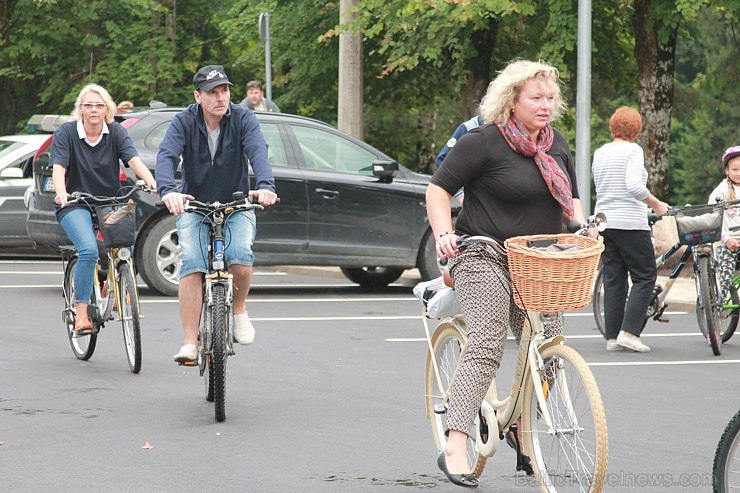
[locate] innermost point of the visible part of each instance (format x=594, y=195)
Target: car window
x=327, y=151
x=156, y=136
x=275, y=146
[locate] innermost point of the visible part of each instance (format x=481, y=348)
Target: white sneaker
x=632, y=342
x=613, y=345
x=188, y=353
x=243, y=329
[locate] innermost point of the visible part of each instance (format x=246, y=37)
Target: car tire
x=372, y=277
x=158, y=258
x=427, y=263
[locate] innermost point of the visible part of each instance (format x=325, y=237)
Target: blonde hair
x=503, y=91
x=100, y=90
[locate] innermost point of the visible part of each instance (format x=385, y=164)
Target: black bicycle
x=114, y=286
x=698, y=226
x=726, y=467
x=216, y=328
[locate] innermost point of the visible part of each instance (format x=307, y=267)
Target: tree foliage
x=426, y=63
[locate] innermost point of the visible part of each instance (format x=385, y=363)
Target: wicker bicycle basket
x=117, y=224
x=547, y=281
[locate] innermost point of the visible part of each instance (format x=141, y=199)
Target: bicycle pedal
x=440, y=409
x=188, y=363
x=663, y=320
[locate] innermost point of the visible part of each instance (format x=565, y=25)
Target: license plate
x=49, y=185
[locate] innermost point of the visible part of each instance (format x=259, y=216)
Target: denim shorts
x=194, y=236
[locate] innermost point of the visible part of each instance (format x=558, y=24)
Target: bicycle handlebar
x=84, y=197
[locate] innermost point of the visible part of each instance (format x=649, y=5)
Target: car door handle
x=329, y=194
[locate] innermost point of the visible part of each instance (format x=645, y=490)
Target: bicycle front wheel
x=726, y=469
x=217, y=371
x=728, y=317
x=708, y=303
x=597, y=302
x=83, y=347
x=130, y=319
x=571, y=454
x=447, y=343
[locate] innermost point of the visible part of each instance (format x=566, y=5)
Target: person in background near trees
x=256, y=99
x=728, y=246
x=461, y=130
x=216, y=141
x=620, y=178
x=85, y=154
x=519, y=179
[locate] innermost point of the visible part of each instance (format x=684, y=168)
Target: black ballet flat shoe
x=522, y=461
x=465, y=480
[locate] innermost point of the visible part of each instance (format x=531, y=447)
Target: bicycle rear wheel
x=83, y=347
x=573, y=455
x=708, y=306
x=447, y=344
x=726, y=469
x=217, y=371
x=597, y=302
x=130, y=319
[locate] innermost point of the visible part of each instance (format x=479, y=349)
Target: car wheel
x=427, y=263
x=372, y=277
x=159, y=260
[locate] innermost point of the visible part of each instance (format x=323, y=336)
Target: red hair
x=625, y=124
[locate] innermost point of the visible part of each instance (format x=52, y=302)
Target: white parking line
x=667, y=363
x=293, y=300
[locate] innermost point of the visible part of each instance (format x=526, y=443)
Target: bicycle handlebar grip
x=574, y=226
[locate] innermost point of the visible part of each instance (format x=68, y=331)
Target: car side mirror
x=385, y=170
x=11, y=173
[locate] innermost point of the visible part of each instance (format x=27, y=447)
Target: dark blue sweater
x=240, y=144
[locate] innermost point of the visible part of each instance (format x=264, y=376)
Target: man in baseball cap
x=216, y=141
x=209, y=77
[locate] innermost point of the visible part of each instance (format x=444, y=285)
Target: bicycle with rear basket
x=563, y=423
x=698, y=226
x=114, y=286
x=216, y=328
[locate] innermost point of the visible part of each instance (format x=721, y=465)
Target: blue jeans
x=193, y=232
x=78, y=226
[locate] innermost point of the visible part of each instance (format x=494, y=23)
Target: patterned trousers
x=483, y=287
x=726, y=261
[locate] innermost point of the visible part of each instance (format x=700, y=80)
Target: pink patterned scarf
x=519, y=141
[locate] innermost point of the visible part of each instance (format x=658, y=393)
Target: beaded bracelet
x=447, y=233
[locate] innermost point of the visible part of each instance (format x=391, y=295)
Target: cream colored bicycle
x=563, y=423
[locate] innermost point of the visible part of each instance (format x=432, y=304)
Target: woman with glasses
x=85, y=154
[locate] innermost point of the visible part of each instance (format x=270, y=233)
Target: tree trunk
x=350, y=114
x=655, y=64
x=478, y=68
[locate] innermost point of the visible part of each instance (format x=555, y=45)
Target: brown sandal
x=85, y=330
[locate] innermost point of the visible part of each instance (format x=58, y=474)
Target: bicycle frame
x=504, y=412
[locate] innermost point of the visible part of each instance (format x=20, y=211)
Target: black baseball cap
x=209, y=77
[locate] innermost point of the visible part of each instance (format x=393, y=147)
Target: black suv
x=343, y=204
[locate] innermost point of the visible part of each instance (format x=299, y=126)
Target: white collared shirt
x=83, y=135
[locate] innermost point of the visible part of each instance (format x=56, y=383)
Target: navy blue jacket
x=240, y=144
x=461, y=130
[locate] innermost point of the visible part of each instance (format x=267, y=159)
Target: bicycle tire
x=128, y=312
x=726, y=467
x=597, y=302
x=574, y=457
x=83, y=347
x=217, y=373
x=709, y=302
x=728, y=317
x=447, y=343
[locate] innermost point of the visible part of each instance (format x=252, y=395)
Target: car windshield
x=8, y=146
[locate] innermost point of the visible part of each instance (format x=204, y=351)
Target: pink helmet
x=730, y=153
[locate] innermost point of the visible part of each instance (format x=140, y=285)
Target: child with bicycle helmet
x=729, y=245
